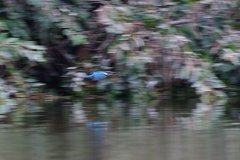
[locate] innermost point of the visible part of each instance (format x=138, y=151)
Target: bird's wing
x=99, y=75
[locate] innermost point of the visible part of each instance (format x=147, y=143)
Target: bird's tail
x=89, y=76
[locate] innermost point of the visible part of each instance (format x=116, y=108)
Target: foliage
x=152, y=45
x=13, y=48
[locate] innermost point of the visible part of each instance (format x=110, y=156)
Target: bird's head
x=110, y=73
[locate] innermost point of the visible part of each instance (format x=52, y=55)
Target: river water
x=118, y=130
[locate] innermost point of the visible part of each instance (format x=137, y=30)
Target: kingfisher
x=100, y=75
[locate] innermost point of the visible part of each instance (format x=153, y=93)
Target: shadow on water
x=109, y=130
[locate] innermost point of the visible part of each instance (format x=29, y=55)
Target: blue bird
x=100, y=75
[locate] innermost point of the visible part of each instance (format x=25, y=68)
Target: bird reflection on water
x=98, y=132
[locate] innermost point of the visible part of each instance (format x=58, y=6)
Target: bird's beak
x=114, y=72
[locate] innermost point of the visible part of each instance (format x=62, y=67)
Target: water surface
x=117, y=130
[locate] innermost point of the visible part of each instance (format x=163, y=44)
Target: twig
x=180, y=21
x=107, y=41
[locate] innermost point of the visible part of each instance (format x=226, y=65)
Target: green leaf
x=3, y=36
x=31, y=45
x=36, y=47
x=10, y=40
x=78, y=39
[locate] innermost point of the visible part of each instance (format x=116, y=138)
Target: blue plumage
x=100, y=75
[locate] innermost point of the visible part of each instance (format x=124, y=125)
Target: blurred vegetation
x=159, y=48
